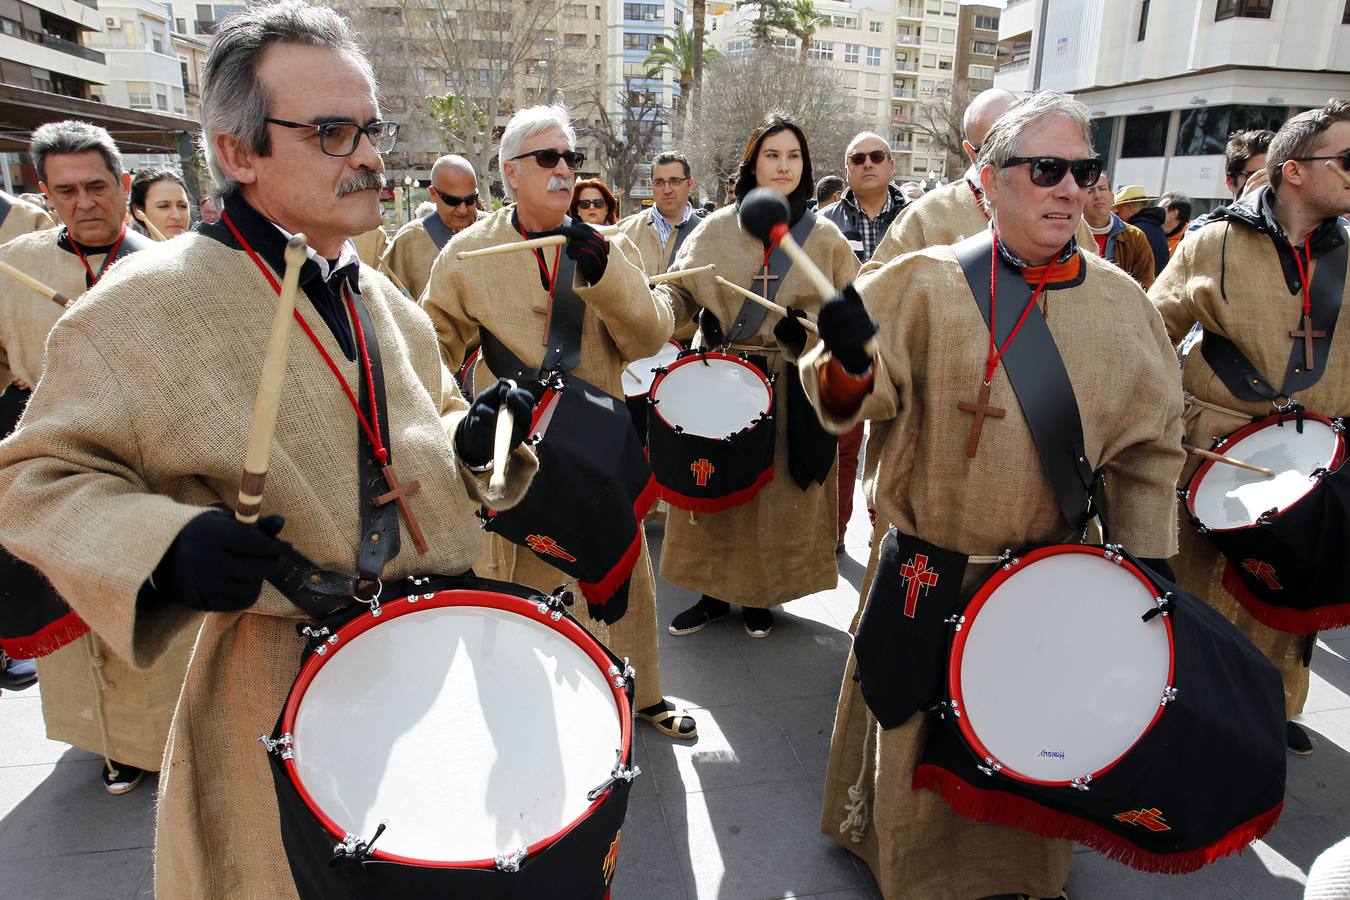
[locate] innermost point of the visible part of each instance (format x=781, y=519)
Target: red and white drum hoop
x=712, y=395
x=472, y=722
x=468, y=374
x=1053, y=674
x=640, y=373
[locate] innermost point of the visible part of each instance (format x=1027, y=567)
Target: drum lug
x=284, y=742
x=1268, y=516
x=991, y=766
x=1338, y=425
x=418, y=581
x=1169, y=694
x=620, y=773
x=553, y=604
x=1081, y=784
x=352, y=847
x=1183, y=494
x=957, y=621
x=320, y=638
x=510, y=862
x=620, y=678
x=1007, y=560
x=1162, y=607
x=1115, y=553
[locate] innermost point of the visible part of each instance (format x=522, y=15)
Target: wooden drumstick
x=767, y=304
x=264, y=424
x=501, y=446
x=29, y=281
x=683, y=273
x=1344, y=175
x=1228, y=460
x=551, y=240
x=150, y=226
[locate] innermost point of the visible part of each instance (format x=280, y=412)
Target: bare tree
x=939, y=121
x=625, y=145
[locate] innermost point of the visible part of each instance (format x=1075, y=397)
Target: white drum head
x=714, y=400
x=640, y=381
x=472, y=731
x=1228, y=497
x=1058, y=675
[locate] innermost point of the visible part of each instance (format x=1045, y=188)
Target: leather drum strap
x=379, y=524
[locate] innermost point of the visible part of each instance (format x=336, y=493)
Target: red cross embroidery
x=916, y=574
x=1264, y=571
x=702, y=469
x=1149, y=818
x=542, y=543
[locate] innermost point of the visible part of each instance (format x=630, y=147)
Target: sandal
x=672, y=722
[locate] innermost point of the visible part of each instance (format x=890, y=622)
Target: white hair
x=1004, y=140
x=526, y=124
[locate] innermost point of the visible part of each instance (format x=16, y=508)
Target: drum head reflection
x=713, y=398
x=472, y=731
x=1058, y=677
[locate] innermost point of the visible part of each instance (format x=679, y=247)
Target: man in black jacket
x=871, y=203
x=1132, y=205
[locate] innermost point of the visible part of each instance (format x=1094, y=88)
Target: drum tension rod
x=352, y=847
x=620, y=773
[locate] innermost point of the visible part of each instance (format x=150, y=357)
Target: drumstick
x=501, y=446
x=150, y=226
x=1344, y=175
x=767, y=304
x=264, y=424
x=683, y=273
x=551, y=240
x=1219, y=457
x=27, y=280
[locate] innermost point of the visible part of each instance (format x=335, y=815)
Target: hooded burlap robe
x=1251, y=306
x=139, y=424
x=92, y=697
x=371, y=245
x=780, y=545
x=410, y=255
x=933, y=344
x=623, y=321
x=22, y=218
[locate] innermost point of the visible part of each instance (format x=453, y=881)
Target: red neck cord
x=112, y=254
x=1303, y=274
x=539, y=257
x=372, y=434
x=995, y=354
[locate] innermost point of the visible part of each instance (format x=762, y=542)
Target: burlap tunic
x=22, y=218
x=370, y=246
x=139, y=423
x=655, y=259
x=1255, y=310
x=623, y=321
x=780, y=545
x=933, y=343
x=410, y=255
x=92, y=697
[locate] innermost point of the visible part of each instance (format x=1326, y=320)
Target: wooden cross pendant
x=981, y=409
x=399, y=493
x=1307, y=334
x=764, y=278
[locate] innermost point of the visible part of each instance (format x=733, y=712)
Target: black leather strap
x=1245, y=381
x=502, y=362
x=565, y=320
x=379, y=524
x=751, y=315
x=437, y=230
x=676, y=238
x=1038, y=377
x=5, y=207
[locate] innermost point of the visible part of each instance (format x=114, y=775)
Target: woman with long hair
x=594, y=202
x=161, y=197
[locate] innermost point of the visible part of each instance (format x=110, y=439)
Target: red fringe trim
x=716, y=504
x=1282, y=618
x=600, y=592
x=49, y=639
x=1001, y=808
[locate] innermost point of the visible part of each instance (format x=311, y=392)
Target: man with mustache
x=514, y=297
x=454, y=189
x=135, y=435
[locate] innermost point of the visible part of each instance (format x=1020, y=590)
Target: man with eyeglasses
x=454, y=190
x=961, y=479
x=134, y=438
x=660, y=231
x=1265, y=281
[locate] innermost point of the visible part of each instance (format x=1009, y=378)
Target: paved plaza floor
x=732, y=816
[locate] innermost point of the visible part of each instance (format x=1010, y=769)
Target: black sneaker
x=17, y=674
x=758, y=622
x=707, y=609
x=122, y=778
x=1297, y=740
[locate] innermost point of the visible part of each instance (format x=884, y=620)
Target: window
x=930, y=34
x=874, y=27
x=848, y=22
x=180, y=26
x=934, y=7
x=984, y=48
x=851, y=53
x=985, y=73
x=644, y=12
x=944, y=63
x=1204, y=130
x=634, y=41
x=949, y=8
x=822, y=50
x=1143, y=20
x=929, y=61
x=679, y=17
x=1242, y=9
x=949, y=36
x=575, y=10
x=988, y=23
x=574, y=40
x=874, y=56
x=1145, y=135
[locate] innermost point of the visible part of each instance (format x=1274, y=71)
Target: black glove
x=845, y=327
x=478, y=430
x=711, y=329
x=791, y=333
x=587, y=249
x=218, y=565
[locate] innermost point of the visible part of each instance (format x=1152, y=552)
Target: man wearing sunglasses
x=964, y=487
x=1255, y=281
x=454, y=190
x=1244, y=158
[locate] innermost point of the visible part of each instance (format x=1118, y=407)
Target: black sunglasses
x=592, y=204
x=876, y=156
x=1342, y=158
x=548, y=157
x=341, y=138
x=452, y=200
x=1048, y=171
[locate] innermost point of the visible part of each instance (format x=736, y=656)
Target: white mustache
x=559, y=183
x=369, y=180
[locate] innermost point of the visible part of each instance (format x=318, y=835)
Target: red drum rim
x=972, y=610
x=467, y=366
x=415, y=603
x=1247, y=431
x=679, y=348
x=697, y=356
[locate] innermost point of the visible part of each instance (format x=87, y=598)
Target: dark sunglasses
x=548, y=157
x=1342, y=158
x=452, y=200
x=592, y=204
x=1048, y=171
x=341, y=138
x=876, y=156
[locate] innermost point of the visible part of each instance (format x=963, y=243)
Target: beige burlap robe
x=22, y=218
x=623, y=321
x=410, y=255
x=25, y=315
x=655, y=259
x=933, y=343
x=780, y=545
x=370, y=246
x=1256, y=311
x=139, y=423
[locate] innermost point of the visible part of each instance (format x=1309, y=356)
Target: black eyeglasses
x=1048, y=171
x=1342, y=158
x=676, y=181
x=592, y=204
x=452, y=200
x=876, y=156
x=548, y=157
x=341, y=138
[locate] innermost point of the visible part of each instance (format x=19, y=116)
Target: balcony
x=907, y=40
x=902, y=146
x=56, y=43
x=904, y=95
x=909, y=12
x=907, y=66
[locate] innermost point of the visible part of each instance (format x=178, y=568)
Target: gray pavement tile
x=26, y=741
x=789, y=667
x=757, y=841
x=645, y=784
x=1261, y=873
x=808, y=723
x=1294, y=843
x=112, y=873
x=707, y=673
x=1330, y=687
x=842, y=602
x=648, y=867
x=1094, y=877
x=804, y=617
x=1318, y=784
x=850, y=894
x=63, y=809
x=738, y=744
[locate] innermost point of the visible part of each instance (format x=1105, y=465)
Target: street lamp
x=407, y=197
x=548, y=42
